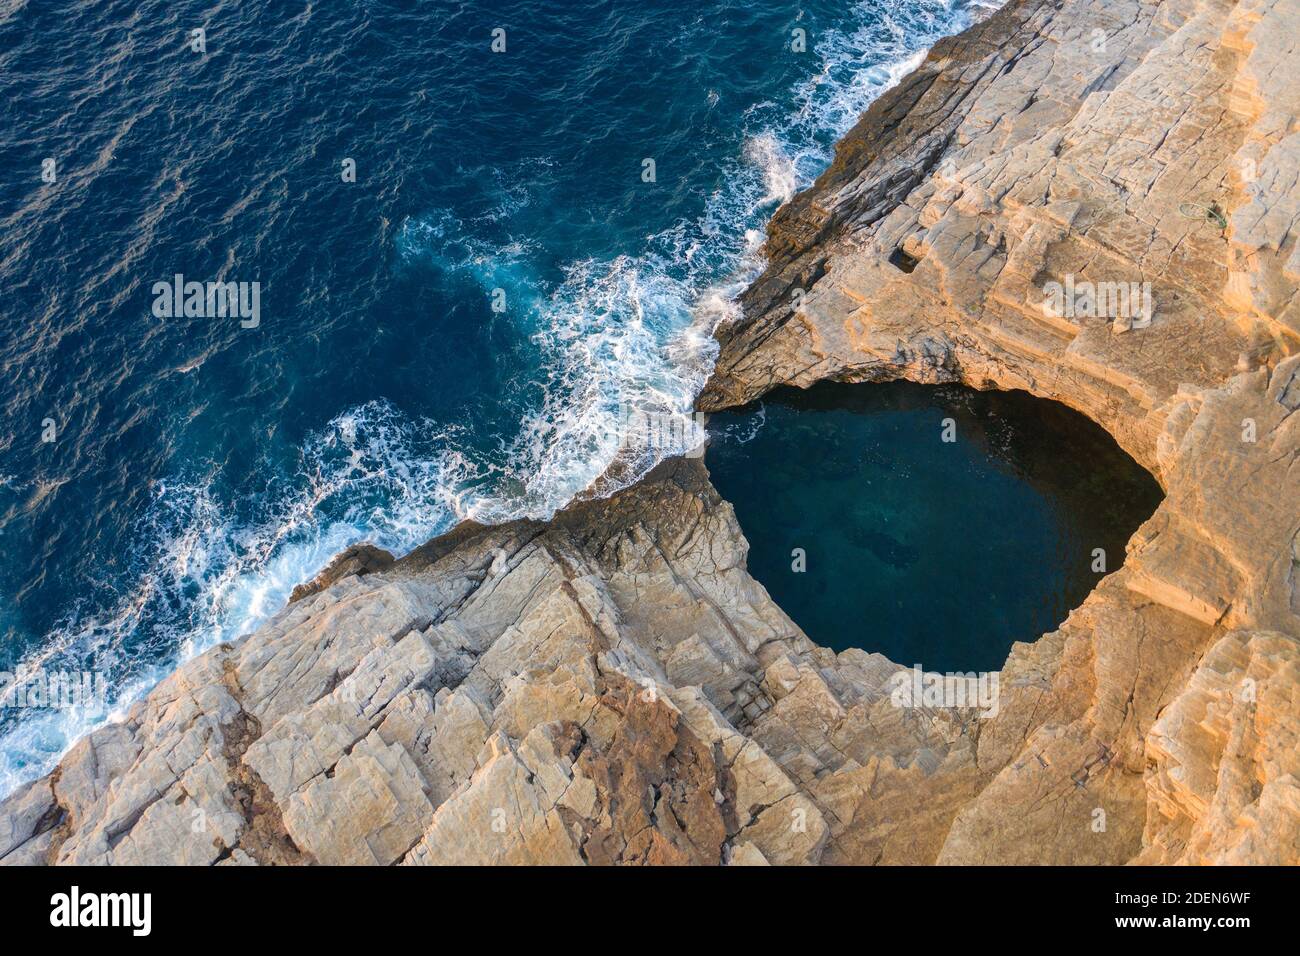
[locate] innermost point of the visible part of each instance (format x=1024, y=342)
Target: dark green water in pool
x=931, y=552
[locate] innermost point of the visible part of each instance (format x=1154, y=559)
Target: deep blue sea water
x=199, y=469
x=931, y=552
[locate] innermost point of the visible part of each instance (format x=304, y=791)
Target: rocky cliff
x=613, y=687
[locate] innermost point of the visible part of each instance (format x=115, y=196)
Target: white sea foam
x=634, y=331
x=779, y=174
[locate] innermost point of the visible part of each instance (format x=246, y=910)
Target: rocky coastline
x=612, y=686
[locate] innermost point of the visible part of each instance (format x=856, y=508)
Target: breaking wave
x=626, y=332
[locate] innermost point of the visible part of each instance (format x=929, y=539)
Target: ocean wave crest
x=630, y=331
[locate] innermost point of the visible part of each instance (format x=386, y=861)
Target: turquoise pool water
x=932, y=552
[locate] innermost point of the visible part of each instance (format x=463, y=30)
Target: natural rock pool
x=937, y=524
